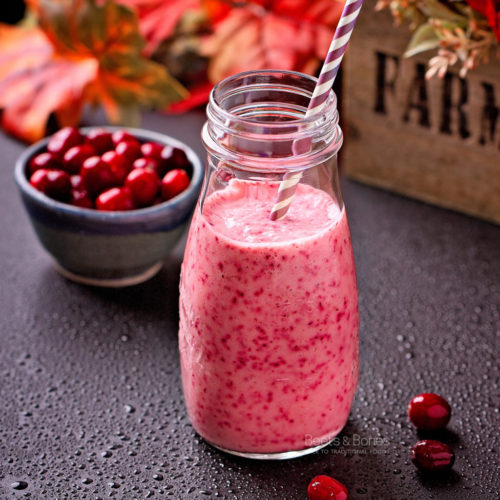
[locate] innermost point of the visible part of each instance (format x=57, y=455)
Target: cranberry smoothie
x=268, y=320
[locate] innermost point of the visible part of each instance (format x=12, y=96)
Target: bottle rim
x=217, y=94
x=244, y=124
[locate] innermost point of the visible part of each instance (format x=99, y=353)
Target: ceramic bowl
x=109, y=248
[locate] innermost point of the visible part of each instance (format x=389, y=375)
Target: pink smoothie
x=268, y=320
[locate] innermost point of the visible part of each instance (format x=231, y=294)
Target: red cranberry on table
x=326, y=488
x=143, y=184
x=75, y=156
x=173, y=183
x=96, y=175
x=63, y=140
x=115, y=199
x=429, y=412
x=100, y=140
x=44, y=160
x=53, y=183
x=430, y=455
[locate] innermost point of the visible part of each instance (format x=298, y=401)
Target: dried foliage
x=464, y=31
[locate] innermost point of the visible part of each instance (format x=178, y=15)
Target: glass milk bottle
x=269, y=318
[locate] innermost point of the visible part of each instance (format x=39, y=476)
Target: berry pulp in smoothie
x=269, y=320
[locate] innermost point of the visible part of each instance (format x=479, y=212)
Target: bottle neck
x=256, y=121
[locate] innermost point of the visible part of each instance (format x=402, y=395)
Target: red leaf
x=490, y=9
x=478, y=5
x=198, y=96
x=216, y=10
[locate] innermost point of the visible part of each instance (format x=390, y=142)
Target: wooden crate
x=437, y=140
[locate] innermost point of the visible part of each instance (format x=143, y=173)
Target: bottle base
x=285, y=455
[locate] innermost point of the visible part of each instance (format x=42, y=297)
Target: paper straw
x=320, y=94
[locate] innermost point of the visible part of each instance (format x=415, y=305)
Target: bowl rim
x=101, y=215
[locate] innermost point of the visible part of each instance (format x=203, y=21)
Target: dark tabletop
x=91, y=398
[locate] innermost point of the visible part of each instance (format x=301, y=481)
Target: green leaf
x=438, y=10
x=424, y=38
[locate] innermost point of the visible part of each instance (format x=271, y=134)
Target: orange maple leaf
x=81, y=53
x=282, y=34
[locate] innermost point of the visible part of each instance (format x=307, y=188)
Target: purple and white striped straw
x=320, y=94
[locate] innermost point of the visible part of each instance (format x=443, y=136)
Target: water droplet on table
x=19, y=485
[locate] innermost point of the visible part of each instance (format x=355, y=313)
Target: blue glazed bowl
x=109, y=248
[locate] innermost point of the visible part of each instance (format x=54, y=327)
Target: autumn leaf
x=158, y=18
x=181, y=55
x=283, y=34
x=33, y=83
x=81, y=53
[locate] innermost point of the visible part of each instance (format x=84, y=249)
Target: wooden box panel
x=437, y=140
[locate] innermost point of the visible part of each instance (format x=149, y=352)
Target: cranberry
x=75, y=156
x=175, y=157
x=432, y=455
x=96, y=175
x=144, y=185
x=429, y=412
x=80, y=198
x=326, y=488
x=63, y=140
x=172, y=158
x=53, y=183
x=122, y=136
x=152, y=150
x=129, y=150
x=174, y=183
x=43, y=160
x=77, y=183
x=100, y=140
x=115, y=199
x=39, y=179
x=148, y=163
x=118, y=165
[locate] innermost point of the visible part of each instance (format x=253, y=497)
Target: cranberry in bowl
x=106, y=218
